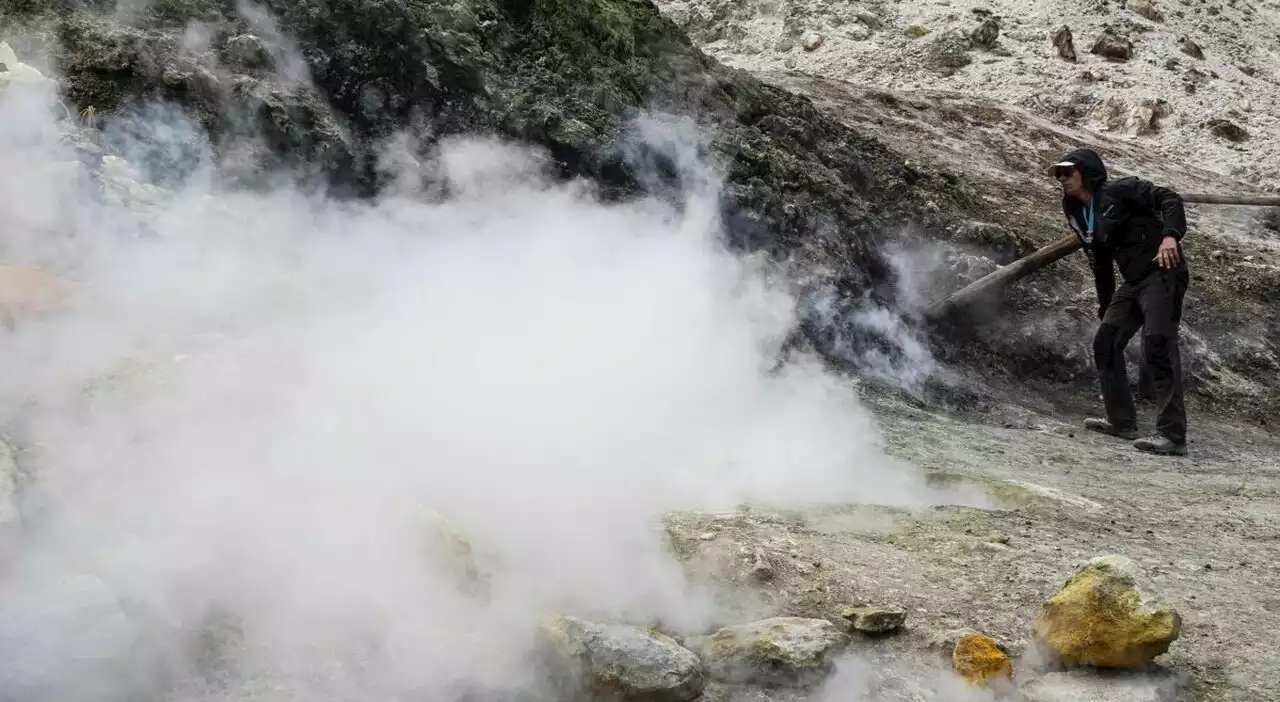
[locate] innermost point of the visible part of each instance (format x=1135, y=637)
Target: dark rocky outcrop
x=568, y=76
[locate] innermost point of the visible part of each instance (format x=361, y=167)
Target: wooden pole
x=1004, y=276
x=1247, y=200
x=1000, y=279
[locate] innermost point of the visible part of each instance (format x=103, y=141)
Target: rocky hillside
x=1196, y=81
x=278, y=89
x=319, y=87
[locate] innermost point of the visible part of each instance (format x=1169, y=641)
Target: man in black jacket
x=1137, y=226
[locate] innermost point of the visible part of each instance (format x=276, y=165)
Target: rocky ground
x=1044, y=497
x=1196, y=81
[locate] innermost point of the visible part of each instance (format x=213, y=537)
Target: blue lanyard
x=1088, y=216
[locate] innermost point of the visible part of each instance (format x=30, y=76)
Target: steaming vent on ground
x=239, y=424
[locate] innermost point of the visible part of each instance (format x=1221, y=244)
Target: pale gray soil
x=895, y=46
x=1205, y=527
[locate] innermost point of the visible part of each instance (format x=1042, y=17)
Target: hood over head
x=1090, y=165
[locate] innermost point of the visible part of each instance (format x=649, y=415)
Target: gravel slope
x=1162, y=97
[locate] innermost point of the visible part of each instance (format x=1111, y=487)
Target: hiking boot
x=1104, y=427
x=1160, y=445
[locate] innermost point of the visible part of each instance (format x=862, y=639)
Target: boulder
x=1138, y=118
x=1226, y=129
x=619, y=662
x=1107, y=615
x=980, y=660
x=986, y=33
x=948, y=52
x=1147, y=9
x=1190, y=48
x=1064, y=43
x=1111, y=45
x=876, y=620
x=790, y=651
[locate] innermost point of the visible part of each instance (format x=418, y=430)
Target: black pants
x=1153, y=304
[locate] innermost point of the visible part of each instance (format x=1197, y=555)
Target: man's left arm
x=1173, y=216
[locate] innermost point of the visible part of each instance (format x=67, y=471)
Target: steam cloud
x=249, y=400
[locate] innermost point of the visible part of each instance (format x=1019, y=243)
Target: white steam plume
x=245, y=406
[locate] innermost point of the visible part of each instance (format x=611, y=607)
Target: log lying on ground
x=1004, y=276
x=1000, y=279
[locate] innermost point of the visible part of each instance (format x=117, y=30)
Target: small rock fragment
x=780, y=651
x=811, y=41
x=876, y=620
x=986, y=34
x=1147, y=9
x=979, y=659
x=1063, y=42
x=620, y=662
x=1113, y=46
x=1190, y=48
x=1107, y=615
x=1226, y=129
x=857, y=32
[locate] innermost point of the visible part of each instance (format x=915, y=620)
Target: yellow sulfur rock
x=980, y=660
x=1107, y=616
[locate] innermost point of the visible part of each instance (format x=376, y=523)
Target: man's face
x=1072, y=181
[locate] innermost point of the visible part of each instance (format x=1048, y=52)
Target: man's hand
x=1167, y=256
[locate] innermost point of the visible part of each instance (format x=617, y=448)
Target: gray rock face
x=617, y=662
x=790, y=651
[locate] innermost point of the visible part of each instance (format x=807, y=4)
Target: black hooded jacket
x=1131, y=217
